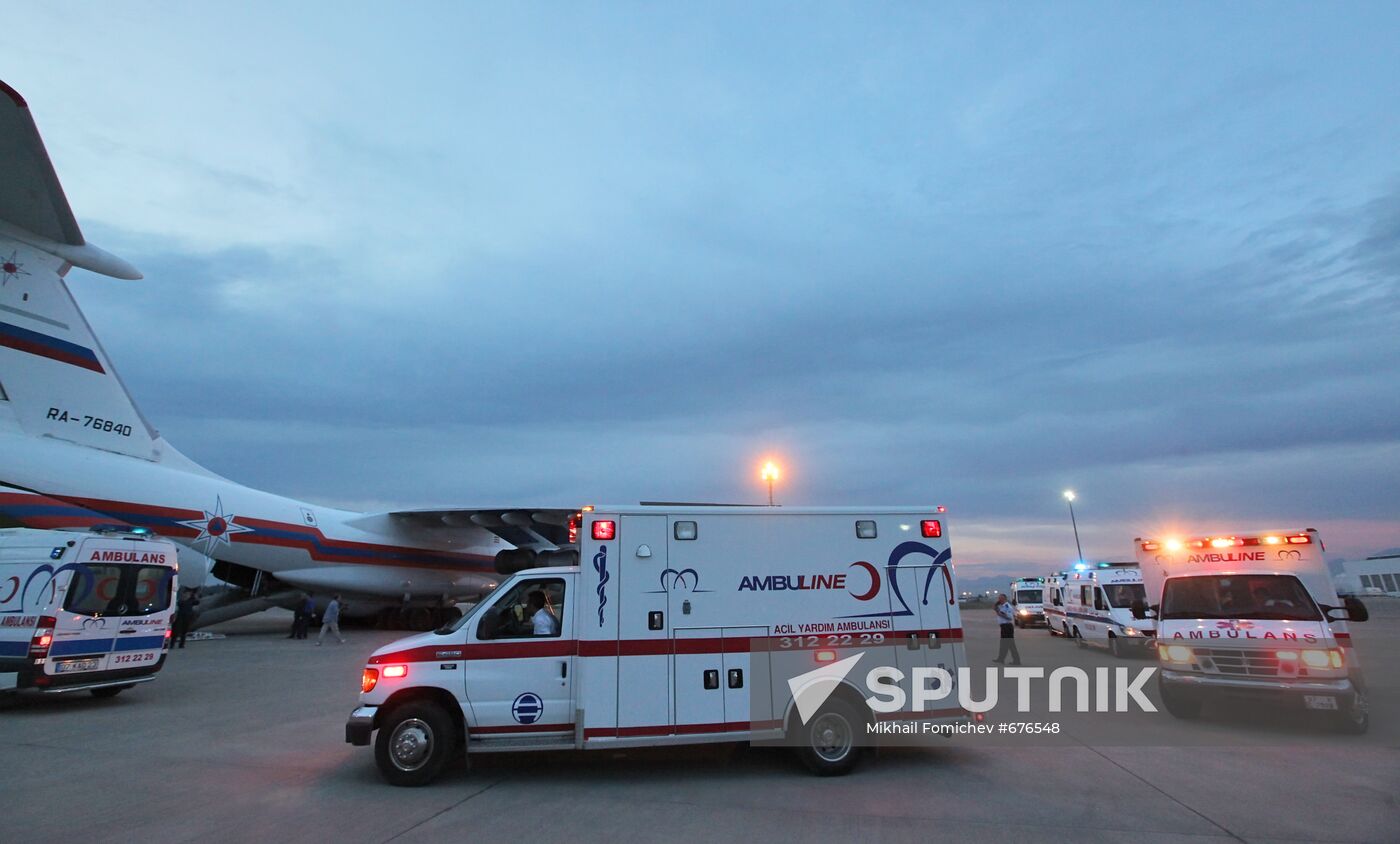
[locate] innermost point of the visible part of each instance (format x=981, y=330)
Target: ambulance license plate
x=77, y=665
x=1319, y=702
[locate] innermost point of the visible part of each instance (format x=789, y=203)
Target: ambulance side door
x=519, y=681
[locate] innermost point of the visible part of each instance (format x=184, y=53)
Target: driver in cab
x=542, y=621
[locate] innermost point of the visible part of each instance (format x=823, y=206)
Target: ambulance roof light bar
x=1174, y=544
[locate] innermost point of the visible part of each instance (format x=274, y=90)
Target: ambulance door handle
x=711, y=678
x=564, y=670
x=124, y=632
x=736, y=678
x=656, y=620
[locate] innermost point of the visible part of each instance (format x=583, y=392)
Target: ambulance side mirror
x=1350, y=610
x=1141, y=610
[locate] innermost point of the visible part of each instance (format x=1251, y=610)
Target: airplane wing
x=533, y=528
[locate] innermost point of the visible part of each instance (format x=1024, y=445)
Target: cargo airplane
x=75, y=452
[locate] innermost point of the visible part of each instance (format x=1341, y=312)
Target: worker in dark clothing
x=306, y=611
x=185, y=610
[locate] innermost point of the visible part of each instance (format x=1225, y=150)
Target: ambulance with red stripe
x=1252, y=615
x=671, y=625
x=83, y=612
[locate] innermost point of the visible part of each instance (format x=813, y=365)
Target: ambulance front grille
x=1239, y=662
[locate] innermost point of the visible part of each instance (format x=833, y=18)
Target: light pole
x=1069, y=497
x=769, y=474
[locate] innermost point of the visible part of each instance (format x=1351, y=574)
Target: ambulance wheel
x=829, y=745
x=1179, y=705
x=108, y=691
x=1354, y=716
x=1078, y=638
x=1113, y=646
x=414, y=743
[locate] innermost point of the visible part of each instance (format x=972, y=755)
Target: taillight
x=574, y=521
x=369, y=680
x=165, y=645
x=604, y=529
x=931, y=528
x=43, y=637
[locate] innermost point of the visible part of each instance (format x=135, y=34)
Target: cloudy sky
x=928, y=253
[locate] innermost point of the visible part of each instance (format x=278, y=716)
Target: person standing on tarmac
x=1007, y=618
x=301, y=616
x=305, y=612
x=184, y=615
x=330, y=620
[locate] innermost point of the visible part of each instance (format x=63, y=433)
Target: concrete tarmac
x=241, y=739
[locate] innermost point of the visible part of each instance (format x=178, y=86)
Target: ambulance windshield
x=120, y=590
x=1236, y=596
x=1028, y=596
x=454, y=626
x=1122, y=595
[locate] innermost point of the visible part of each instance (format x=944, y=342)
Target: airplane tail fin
x=55, y=378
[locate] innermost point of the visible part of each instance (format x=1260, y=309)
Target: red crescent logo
x=874, y=581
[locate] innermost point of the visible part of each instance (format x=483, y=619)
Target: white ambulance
x=1253, y=615
x=1056, y=587
x=681, y=625
x=1028, y=599
x=1098, y=607
x=82, y=611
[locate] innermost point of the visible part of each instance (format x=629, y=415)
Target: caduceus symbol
x=600, y=565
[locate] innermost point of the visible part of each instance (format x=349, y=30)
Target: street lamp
x=769, y=474
x=1069, y=497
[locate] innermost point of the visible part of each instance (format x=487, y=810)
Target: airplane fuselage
x=307, y=546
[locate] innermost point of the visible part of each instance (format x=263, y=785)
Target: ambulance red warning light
x=931, y=528
x=604, y=530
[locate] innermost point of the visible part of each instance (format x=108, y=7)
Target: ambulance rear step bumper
x=83, y=687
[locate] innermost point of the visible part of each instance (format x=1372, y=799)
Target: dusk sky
x=970, y=255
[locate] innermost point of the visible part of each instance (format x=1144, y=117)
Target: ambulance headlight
x=1175, y=653
x=1317, y=659
x=1131, y=631
x=1023, y=611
